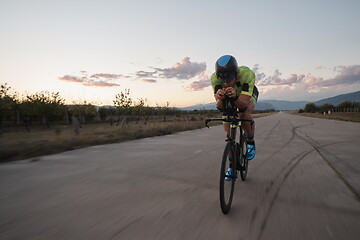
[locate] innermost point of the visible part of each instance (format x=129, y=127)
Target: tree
x=122, y=103
x=8, y=104
x=140, y=109
x=123, y=99
x=310, y=107
x=103, y=113
x=165, y=110
x=43, y=106
x=85, y=111
x=326, y=107
x=346, y=106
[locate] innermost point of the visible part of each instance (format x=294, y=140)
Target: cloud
x=106, y=75
x=144, y=74
x=204, y=82
x=258, y=75
x=93, y=80
x=183, y=70
x=276, y=79
x=199, y=85
x=70, y=78
x=92, y=83
x=293, y=79
x=346, y=75
x=312, y=84
x=149, y=80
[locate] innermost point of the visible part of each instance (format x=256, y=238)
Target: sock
x=250, y=140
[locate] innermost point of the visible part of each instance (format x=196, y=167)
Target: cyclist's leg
x=248, y=127
x=227, y=129
x=230, y=157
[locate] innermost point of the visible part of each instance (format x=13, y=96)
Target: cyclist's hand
x=230, y=92
x=221, y=94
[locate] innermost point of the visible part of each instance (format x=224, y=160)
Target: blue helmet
x=226, y=68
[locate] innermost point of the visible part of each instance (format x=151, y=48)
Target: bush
x=310, y=107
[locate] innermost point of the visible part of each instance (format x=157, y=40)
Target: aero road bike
x=234, y=154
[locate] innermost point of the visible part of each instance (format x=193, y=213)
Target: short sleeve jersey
x=244, y=84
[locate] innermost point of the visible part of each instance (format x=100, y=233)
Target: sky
x=165, y=51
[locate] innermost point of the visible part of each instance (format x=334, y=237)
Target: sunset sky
x=166, y=50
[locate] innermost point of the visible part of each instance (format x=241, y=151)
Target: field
x=343, y=116
x=20, y=144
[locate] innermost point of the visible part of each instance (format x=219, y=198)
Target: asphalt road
x=304, y=183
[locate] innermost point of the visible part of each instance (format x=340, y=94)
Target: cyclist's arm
x=219, y=101
x=243, y=101
x=219, y=92
x=247, y=88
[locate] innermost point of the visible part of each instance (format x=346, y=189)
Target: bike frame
x=237, y=151
x=232, y=118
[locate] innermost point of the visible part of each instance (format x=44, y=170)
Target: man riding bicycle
x=238, y=84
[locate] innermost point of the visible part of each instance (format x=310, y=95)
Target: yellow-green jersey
x=244, y=84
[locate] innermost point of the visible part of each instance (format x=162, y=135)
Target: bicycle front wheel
x=243, y=160
x=227, y=183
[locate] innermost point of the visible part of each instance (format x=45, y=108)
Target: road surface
x=304, y=183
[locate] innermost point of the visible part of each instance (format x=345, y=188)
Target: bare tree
x=122, y=104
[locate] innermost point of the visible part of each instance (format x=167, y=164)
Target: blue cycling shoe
x=250, y=152
x=228, y=174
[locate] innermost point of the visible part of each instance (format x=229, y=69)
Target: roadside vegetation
x=41, y=123
x=346, y=111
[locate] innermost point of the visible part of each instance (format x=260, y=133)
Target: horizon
x=93, y=50
x=264, y=100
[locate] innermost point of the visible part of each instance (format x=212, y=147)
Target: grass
x=20, y=144
x=343, y=116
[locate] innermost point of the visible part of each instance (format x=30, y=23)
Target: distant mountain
x=287, y=105
x=208, y=106
x=264, y=105
x=351, y=97
x=282, y=105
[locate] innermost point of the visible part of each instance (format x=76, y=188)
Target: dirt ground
x=343, y=116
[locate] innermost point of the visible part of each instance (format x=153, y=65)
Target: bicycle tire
x=226, y=195
x=243, y=160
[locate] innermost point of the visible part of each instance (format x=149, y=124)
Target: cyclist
x=237, y=83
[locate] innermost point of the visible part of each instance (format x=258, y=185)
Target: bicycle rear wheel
x=227, y=187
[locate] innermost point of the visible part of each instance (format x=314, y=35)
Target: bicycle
x=235, y=150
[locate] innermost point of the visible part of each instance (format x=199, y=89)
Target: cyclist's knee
x=251, y=107
x=246, y=115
